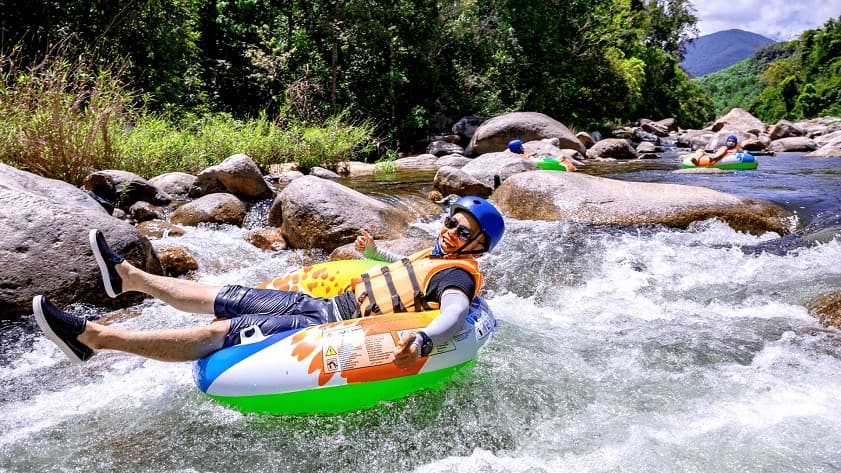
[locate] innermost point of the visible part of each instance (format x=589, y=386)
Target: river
x=635, y=349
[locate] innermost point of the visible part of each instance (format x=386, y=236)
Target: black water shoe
x=62, y=328
x=107, y=260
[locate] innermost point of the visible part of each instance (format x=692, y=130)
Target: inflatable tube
x=741, y=160
x=549, y=163
x=335, y=367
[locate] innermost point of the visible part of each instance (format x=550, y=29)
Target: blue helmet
x=735, y=141
x=489, y=218
x=516, y=146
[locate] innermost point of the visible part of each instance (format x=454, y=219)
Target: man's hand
x=363, y=240
x=406, y=352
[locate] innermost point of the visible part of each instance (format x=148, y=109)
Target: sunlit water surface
x=634, y=349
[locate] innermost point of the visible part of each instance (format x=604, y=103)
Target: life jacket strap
x=369, y=294
x=395, y=297
x=420, y=297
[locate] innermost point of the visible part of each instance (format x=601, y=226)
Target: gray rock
x=602, y=201
x=45, y=247
x=491, y=169
x=214, y=208
x=123, y=189
x=450, y=180
x=319, y=213
x=236, y=175
x=612, y=148
x=494, y=134
x=176, y=184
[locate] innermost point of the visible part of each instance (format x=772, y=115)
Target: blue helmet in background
x=516, y=146
x=735, y=141
x=489, y=218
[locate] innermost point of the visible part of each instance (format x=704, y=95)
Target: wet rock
x=597, y=200
x=45, y=248
x=823, y=228
x=420, y=162
x=450, y=180
x=176, y=184
x=269, y=239
x=237, y=175
x=494, y=134
x=585, y=138
x=213, y=208
x=177, y=261
x=319, y=213
x=399, y=246
x=159, y=229
x=612, y=148
x=800, y=143
x=827, y=309
x=785, y=129
x=323, y=173
x=831, y=149
x=355, y=168
x=443, y=148
x=143, y=211
x=122, y=188
x=491, y=169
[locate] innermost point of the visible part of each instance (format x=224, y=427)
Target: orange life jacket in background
x=401, y=286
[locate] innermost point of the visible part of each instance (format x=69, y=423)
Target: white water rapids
x=632, y=350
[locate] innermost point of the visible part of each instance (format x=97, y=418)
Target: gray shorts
x=271, y=310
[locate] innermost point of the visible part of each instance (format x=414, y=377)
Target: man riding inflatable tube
x=731, y=146
x=446, y=276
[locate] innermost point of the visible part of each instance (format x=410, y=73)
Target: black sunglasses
x=463, y=232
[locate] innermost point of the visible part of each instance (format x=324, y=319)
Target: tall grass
x=62, y=119
x=59, y=117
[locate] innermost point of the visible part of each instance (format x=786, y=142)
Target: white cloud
x=776, y=19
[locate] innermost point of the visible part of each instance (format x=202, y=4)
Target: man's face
x=457, y=230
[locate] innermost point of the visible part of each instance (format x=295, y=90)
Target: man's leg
x=182, y=294
x=166, y=345
x=77, y=338
x=118, y=276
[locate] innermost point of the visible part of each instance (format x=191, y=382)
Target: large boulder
x=491, y=169
x=738, y=119
x=220, y=208
x=318, y=213
x=450, y=180
x=494, y=134
x=177, y=184
x=45, y=247
x=122, y=189
x=612, y=148
x=785, y=129
x=794, y=144
x=597, y=200
x=237, y=175
x=831, y=149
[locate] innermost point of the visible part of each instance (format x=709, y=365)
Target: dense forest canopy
x=411, y=66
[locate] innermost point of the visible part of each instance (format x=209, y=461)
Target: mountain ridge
x=719, y=50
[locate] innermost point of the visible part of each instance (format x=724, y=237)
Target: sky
x=780, y=20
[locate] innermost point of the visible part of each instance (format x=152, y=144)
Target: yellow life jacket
x=401, y=286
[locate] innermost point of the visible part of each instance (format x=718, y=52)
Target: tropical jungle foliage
x=792, y=80
x=412, y=66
